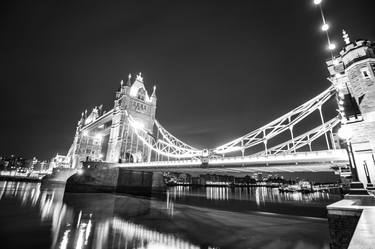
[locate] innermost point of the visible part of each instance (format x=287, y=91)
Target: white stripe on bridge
x=282, y=159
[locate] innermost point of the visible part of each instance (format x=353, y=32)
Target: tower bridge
x=130, y=136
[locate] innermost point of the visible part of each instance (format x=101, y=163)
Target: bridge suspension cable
x=172, y=139
x=166, y=145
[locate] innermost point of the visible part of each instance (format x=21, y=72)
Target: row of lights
x=332, y=46
x=345, y=132
x=340, y=102
x=325, y=26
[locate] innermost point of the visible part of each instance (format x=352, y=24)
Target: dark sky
x=222, y=68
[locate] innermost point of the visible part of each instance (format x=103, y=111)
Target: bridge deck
x=316, y=161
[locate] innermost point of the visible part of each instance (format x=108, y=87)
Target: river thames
x=32, y=216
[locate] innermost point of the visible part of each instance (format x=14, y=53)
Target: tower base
x=116, y=180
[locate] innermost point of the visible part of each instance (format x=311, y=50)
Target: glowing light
x=100, y=156
x=98, y=136
x=345, y=132
x=341, y=102
x=85, y=133
x=80, y=171
x=341, y=95
x=336, y=62
x=133, y=91
x=138, y=125
x=325, y=27
x=331, y=46
x=205, y=153
x=65, y=240
x=316, y=2
x=229, y=150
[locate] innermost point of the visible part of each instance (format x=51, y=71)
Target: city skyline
x=210, y=78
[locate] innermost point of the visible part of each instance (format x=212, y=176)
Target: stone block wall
x=93, y=180
x=341, y=228
x=101, y=178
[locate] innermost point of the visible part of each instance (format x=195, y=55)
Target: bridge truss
x=164, y=147
x=167, y=147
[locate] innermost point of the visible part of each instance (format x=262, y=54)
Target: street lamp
x=346, y=133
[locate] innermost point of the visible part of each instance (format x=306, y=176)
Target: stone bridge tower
x=133, y=99
x=352, y=73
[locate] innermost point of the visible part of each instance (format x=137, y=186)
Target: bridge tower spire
x=132, y=99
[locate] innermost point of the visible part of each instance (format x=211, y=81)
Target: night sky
x=222, y=68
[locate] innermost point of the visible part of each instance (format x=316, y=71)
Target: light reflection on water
x=98, y=221
x=261, y=195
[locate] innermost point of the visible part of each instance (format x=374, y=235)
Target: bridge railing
x=298, y=157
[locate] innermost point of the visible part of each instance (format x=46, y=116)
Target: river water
x=32, y=216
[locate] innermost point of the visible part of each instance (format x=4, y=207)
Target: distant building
x=12, y=162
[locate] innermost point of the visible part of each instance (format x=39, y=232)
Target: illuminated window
x=365, y=73
x=141, y=94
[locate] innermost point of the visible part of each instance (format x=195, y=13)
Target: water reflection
x=185, y=217
x=254, y=199
x=145, y=237
x=99, y=223
x=260, y=194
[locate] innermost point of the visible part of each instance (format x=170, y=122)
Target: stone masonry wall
x=341, y=229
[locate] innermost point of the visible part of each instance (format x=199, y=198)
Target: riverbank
x=21, y=177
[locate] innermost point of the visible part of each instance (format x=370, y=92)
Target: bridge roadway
x=315, y=161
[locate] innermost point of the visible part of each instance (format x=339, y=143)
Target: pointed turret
x=346, y=37
x=153, y=96
x=81, y=120
x=120, y=90
x=129, y=83
x=100, y=109
x=139, y=77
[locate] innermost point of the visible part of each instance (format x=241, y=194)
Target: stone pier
x=103, y=178
x=352, y=222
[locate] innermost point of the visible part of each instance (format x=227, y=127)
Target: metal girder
x=302, y=140
x=277, y=126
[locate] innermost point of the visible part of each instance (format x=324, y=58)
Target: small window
x=365, y=73
x=141, y=94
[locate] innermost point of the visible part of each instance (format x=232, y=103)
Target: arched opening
x=133, y=157
x=129, y=158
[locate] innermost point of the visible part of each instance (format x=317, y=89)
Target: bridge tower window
x=365, y=73
x=141, y=94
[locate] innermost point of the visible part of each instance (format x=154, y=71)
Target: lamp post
x=346, y=134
